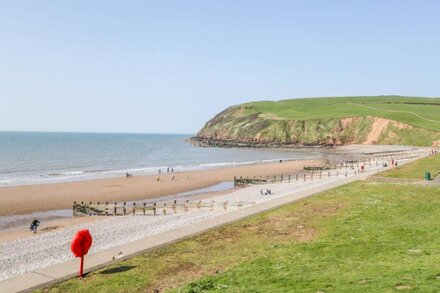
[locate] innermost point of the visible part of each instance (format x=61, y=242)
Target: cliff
x=325, y=122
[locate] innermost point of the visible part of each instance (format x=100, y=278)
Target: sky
x=169, y=66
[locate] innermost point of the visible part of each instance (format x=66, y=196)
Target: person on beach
x=34, y=225
x=159, y=171
x=172, y=170
x=168, y=170
x=261, y=192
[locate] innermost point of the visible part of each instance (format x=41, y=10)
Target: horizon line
x=93, y=132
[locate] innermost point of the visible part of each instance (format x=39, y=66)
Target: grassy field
x=416, y=170
x=420, y=112
x=362, y=237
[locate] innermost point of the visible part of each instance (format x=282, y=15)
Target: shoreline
x=25, y=199
x=86, y=175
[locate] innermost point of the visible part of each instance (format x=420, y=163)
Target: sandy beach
x=44, y=197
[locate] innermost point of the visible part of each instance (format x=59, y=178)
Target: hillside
x=326, y=121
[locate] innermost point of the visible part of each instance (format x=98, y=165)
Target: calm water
x=39, y=157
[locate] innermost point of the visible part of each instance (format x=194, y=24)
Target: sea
x=50, y=157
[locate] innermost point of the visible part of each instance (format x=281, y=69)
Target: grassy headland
x=328, y=121
x=362, y=237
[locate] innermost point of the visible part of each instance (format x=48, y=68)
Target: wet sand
x=44, y=197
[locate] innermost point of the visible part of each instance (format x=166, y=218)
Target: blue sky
x=169, y=66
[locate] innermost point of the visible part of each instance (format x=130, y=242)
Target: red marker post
x=80, y=246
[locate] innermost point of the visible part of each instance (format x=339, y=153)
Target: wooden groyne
x=136, y=208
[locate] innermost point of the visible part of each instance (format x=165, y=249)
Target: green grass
x=416, y=170
x=362, y=237
x=419, y=112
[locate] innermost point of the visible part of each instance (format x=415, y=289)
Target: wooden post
x=281, y=178
x=296, y=177
x=164, y=209
x=143, y=209
x=74, y=209
x=134, y=208
x=175, y=206
x=199, y=204
x=289, y=178
x=154, y=209
x=304, y=177
x=186, y=206
x=114, y=210
x=124, y=209
x=329, y=174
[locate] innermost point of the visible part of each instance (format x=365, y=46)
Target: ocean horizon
x=51, y=157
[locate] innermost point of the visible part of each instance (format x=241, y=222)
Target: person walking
x=34, y=225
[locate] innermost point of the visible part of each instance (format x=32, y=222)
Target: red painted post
x=81, y=267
